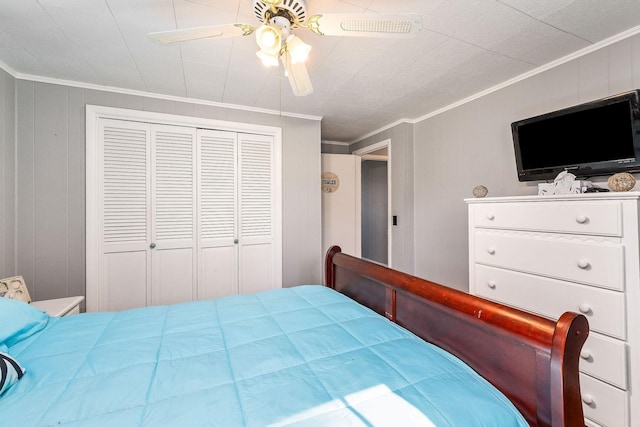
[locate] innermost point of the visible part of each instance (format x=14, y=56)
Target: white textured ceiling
x=361, y=84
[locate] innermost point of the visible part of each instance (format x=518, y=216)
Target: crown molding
x=382, y=129
x=113, y=89
x=8, y=69
x=553, y=64
x=565, y=59
x=346, y=144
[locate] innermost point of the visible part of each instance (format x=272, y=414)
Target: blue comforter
x=304, y=356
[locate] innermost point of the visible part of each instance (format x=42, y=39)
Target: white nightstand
x=60, y=306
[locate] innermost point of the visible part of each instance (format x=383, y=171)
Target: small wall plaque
x=330, y=182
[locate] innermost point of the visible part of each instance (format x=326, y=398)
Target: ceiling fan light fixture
x=298, y=49
x=268, y=59
x=277, y=43
x=269, y=38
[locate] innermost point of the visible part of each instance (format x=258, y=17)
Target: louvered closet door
x=125, y=214
x=173, y=219
x=237, y=212
x=218, y=255
x=256, y=213
x=176, y=213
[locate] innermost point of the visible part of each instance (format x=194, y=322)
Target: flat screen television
x=596, y=138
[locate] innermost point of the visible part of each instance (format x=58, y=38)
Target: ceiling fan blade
x=297, y=74
x=219, y=31
x=366, y=24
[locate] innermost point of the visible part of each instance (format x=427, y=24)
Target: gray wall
x=328, y=148
x=7, y=175
x=50, y=175
x=472, y=145
x=402, y=182
x=440, y=159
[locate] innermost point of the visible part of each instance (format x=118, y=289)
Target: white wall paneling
x=341, y=207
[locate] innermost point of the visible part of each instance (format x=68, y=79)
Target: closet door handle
x=152, y=246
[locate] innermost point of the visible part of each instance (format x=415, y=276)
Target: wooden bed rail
x=532, y=360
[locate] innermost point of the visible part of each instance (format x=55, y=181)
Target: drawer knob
x=581, y=219
x=588, y=399
x=584, y=264
x=584, y=308
x=491, y=216
x=491, y=284
x=585, y=354
x=491, y=251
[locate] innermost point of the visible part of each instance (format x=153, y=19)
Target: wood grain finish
x=532, y=360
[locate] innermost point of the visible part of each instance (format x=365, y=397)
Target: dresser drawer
x=602, y=403
x=596, y=218
x=604, y=309
x=606, y=359
x=598, y=263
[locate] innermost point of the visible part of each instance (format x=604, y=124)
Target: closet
x=181, y=213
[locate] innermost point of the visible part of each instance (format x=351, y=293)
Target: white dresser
x=551, y=254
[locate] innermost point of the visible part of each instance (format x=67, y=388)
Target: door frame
x=365, y=154
x=94, y=113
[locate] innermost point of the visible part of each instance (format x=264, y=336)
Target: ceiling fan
x=278, y=43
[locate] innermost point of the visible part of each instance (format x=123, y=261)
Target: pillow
x=10, y=372
x=19, y=320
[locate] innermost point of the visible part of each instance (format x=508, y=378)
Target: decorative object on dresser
x=60, y=307
x=576, y=252
x=564, y=183
x=480, y=191
x=622, y=181
x=15, y=288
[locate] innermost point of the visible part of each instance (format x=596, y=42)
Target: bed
x=373, y=347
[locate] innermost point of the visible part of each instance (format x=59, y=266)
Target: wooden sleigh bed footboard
x=532, y=360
